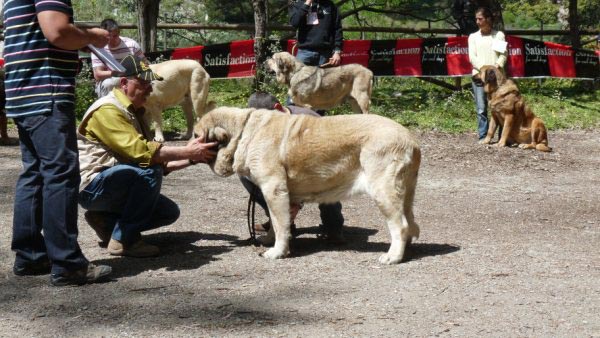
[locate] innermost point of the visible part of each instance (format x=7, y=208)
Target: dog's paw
x=274, y=254
x=388, y=259
x=484, y=141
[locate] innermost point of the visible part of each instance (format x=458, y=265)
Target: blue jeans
x=331, y=214
x=313, y=58
x=481, y=106
x=130, y=198
x=47, y=190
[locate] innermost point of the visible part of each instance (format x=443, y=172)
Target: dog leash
x=250, y=216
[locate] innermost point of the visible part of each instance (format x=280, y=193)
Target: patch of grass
x=562, y=104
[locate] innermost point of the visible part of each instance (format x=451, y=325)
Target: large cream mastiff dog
x=301, y=158
x=323, y=88
x=184, y=82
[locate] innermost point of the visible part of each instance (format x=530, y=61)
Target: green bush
x=84, y=91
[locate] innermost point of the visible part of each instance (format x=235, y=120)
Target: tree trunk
x=147, y=20
x=260, y=35
x=574, y=24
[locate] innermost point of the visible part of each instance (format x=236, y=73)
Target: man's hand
x=200, y=151
x=308, y=2
x=334, y=61
x=98, y=37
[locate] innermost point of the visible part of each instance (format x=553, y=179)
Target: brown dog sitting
x=508, y=108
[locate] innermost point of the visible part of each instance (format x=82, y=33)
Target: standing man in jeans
x=320, y=40
x=40, y=52
x=320, y=36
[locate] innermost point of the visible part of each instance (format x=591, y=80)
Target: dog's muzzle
x=490, y=76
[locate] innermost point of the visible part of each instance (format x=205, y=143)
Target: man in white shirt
x=119, y=47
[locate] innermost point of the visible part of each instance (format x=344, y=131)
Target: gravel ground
x=509, y=247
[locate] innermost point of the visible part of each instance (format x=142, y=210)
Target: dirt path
x=510, y=246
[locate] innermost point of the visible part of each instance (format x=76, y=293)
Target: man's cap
x=135, y=67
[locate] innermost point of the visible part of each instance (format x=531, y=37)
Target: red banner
x=412, y=57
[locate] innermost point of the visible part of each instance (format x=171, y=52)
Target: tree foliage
x=517, y=14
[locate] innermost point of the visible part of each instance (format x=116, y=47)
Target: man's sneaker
x=32, y=269
x=137, y=249
x=96, y=220
x=90, y=274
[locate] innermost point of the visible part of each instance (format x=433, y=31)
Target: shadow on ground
x=178, y=252
x=357, y=239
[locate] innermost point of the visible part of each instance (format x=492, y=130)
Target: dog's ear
x=490, y=76
x=500, y=78
x=283, y=65
x=220, y=135
x=210, y=105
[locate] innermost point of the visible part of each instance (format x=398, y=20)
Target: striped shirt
x=126, y=47
x=38, y=74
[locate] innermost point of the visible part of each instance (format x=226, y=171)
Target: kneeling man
x=122, y=170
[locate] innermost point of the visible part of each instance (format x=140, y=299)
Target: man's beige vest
x=94, y=157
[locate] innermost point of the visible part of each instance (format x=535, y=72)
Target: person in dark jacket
x=319, y=32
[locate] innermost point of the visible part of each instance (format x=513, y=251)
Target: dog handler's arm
x=473, y=54
x=298, y=11
x=101, y=73
x=196, y=151
x=62, y=33
x=338, y=38
x=502, y=57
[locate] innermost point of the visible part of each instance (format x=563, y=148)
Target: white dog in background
x=323, y=88
x=184, y=82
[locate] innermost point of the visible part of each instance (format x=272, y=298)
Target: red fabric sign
x=516, y=61
x=457, y=56
x=560, y=60
x=194, y=53
x=242, y=59
x=412, y=57
x=356, y=51
x=407, y=58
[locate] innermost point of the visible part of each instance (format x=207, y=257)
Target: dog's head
x=283, y=64
x=492, y=78
x=223, y=125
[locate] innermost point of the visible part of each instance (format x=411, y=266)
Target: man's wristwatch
x=192, y=162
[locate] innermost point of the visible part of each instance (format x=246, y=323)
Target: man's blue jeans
x=130, y=198
x=331, y=214
x=47, y=190
x=313, y=58
x=481, y=106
